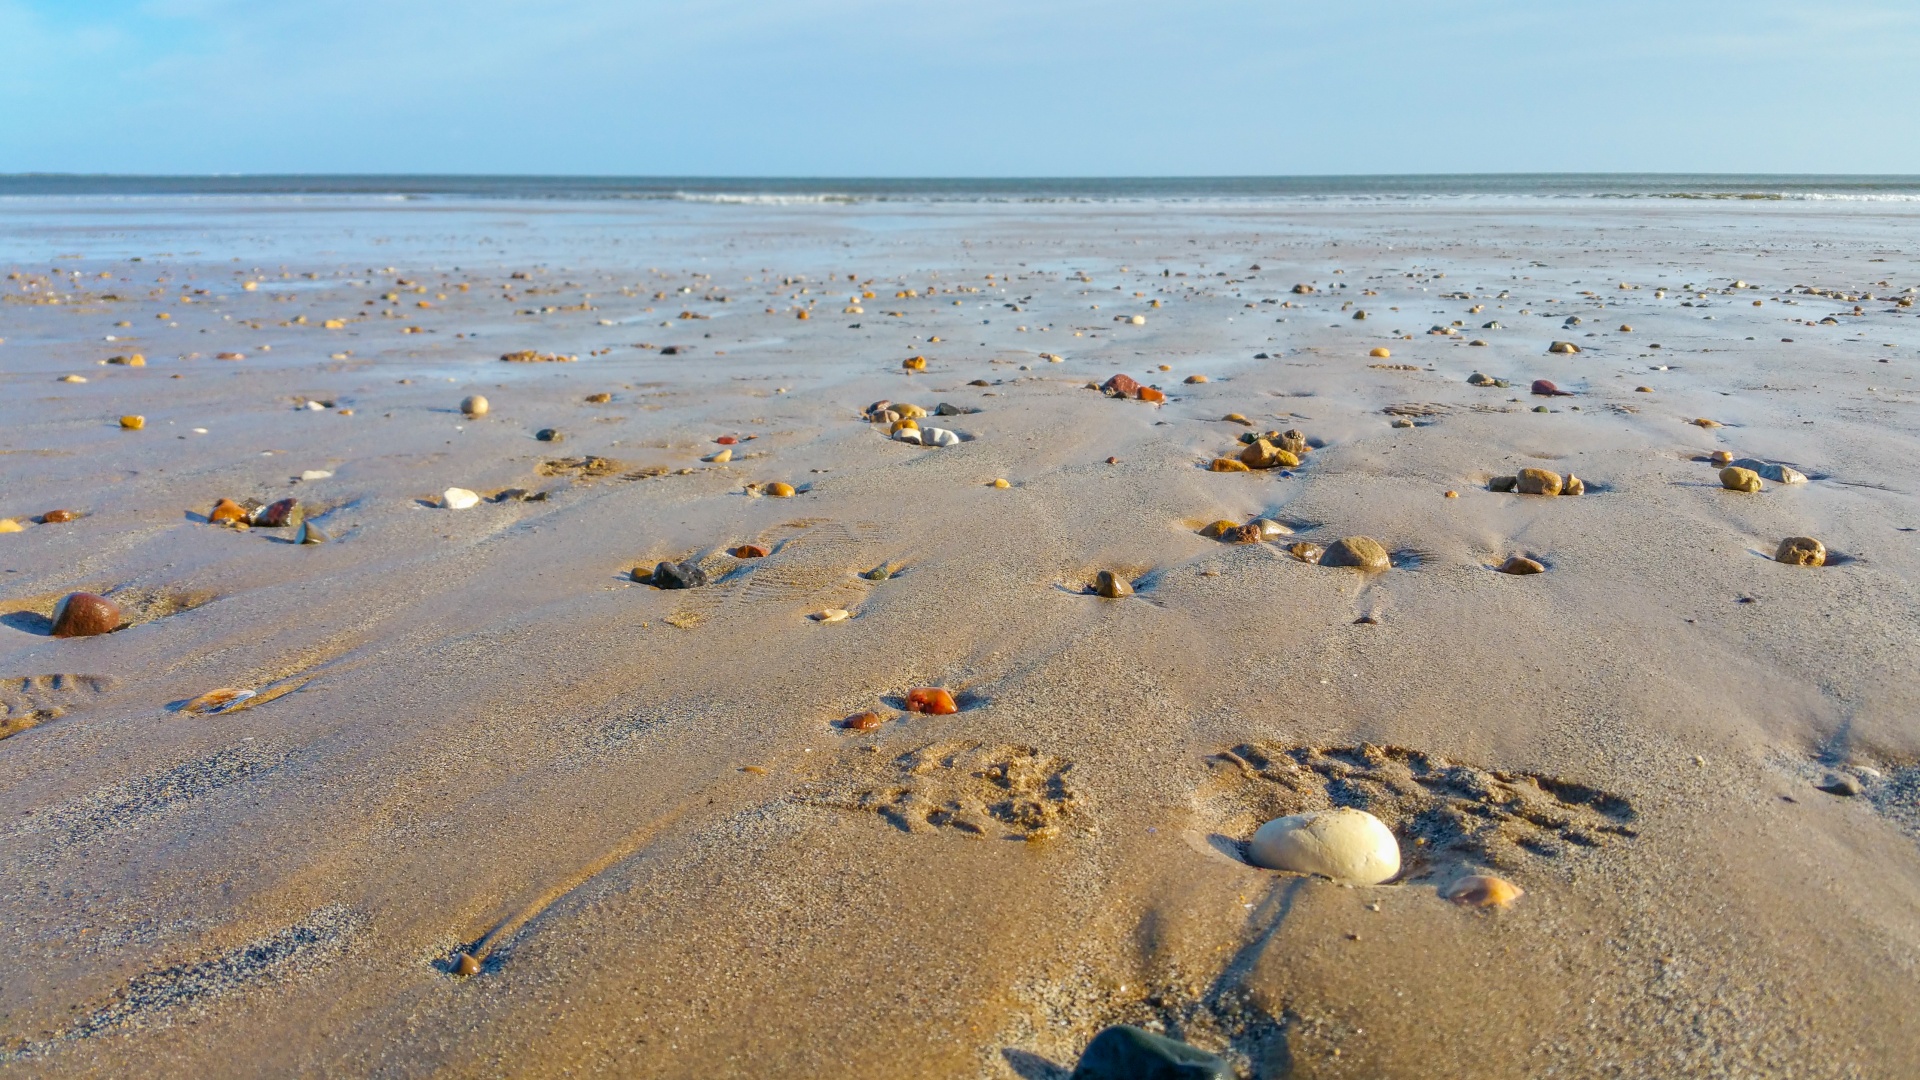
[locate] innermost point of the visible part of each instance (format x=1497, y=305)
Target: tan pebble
x=8, y=525
x=1573, y=485
x=1236, y=418
x=1219, y=528
x=1111, y=585
x=1734, y=478
x=1801, y=551
x=914, y=363
x=1001, y=483
x=73, y=378
x=1625, y=329
x=1195, y=379
x=598, y=399
x=467, y=966
x=1722, y=458
x=1484, y=891
x=1538, y=482
x=1348, y=845
x=1563, y=347
x=1452, y=495
x=474, y=406
x=780, y=490
x=1380, y=353
x=1228, y=465
x=720, y=457
x=1306, y=552
x=1359, y=552
x=1520, y=565
x=831, y=615
x=1704, y=422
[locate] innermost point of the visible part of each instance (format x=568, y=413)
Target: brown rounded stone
x=1111, y=585
x=1734, y=478
x=1538, y=482
x=1801, y=551
x=1359, y=552
x=83, y=614
x=1520, y=565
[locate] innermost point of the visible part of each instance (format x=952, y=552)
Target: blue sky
x=988, y=87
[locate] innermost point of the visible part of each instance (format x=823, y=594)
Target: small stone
x=1643, y=389
x=910, y=412
x=1734, y=478
x=1220, y=528
x=1193, y=379
x=226, y=512
x=881, y=572
x=944, y=409
x=1270, y=529
x=1151, y=395
x=1307, y=552
x=1359, y=552
x=863, y=721
x=1228, y=465
x=1801, y=551
x=1120, y=386
x=1484, y=891
x=1451, y=495
x=1402, y=422
x=84, y=614
x=1123, y=1052
x=749, y=551
x=1244, y=534
x=1236, y=418
x=8, y=525
x=133, y=423
x=1573, y=485
x=1839, y=784
x=1477, y=379
x=1111, y=585
x=1538, y=482
x=598, y=399
x=1545, y=388
x=1704, y=422
x=831, y=615
x=1264, y=455
x=1478, y=343
x=720, y=456
x=316, y=474
x=673, y=575
x=726, y=440
x=474, y=406
x=547, y=434
x=1722, y=458
x=1380, y=352
x=217, y=701
x=459, y=499
x=780, y=490
x=1781, y=474
x=914, y=363
x=73, y=378
x=932, y=700
x=1563, y=347
x=1520, y=565
x=1138, y=320
x=310, y=533
x=467, y=966
x=1293, y=442
x=1625, y=328
x=1350, y=846
x=934, y=436
x=280, y=515
x=1503, y=483
x=908, y=434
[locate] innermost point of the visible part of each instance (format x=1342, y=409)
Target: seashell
x=316, y=474
x=1521, y=565
x=1545, y=388
x=831, y=615
x=1228, y=465
x=914, y=363
x=459, y=499
x=133, y=423
x=1150, y=395
x=279, y=515
x=863, y=721
x=749, y=551
x=310, y=534
x=1350, y=846
x=932, y=700
x=227, y=512
x=780, y=490
x=720, y=456
x=1380, y=352
x=56, y=517
x=1359, y=552
x=1111, y=585
x=1306, y=552
x=83, y=614
x=1484, y=891
x=1734, y=478
x=1801, y=551
x=1538, y=482
x=217, y=701
x=474, y=406
x=1120, y=386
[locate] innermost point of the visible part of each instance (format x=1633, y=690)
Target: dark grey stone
x=686, y=575
x=547, y=434
x=1123, y=1052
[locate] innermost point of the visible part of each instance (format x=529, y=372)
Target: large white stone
x=935, y=436
x=1350, y=846
x=459, y=498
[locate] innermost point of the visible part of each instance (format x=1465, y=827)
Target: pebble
x=310, y=534
x=474, y=406
x=910, y=412
x=1380, y=352
x=1484, y=891
x=726, y=440
x=863, y=721
x=598, y=399
x=1350, y=846
x=459, y=499
x=1236, y=418
x=73, y=378
x=1703, y=422
x=1402, y=422
x=907, y=435
x=1193, y=379
x=932, y=700
x=944, y=409
x=1734, y=478
x=226, y=512
x=84, y=614
x=1503, y=483
x=1307, y=552
x=672, y=575
x=1151, y=395
x=1360, y=552
x=881, y=572
x=1228, y=465
x=1111, y=585
x=1538, y=482
x=1138, y=320
x=133, y=423
x=316, y=474
x=939, y=437
x=217, y=701
x=1001, y=483
x=280, y=515
x=1545, y=388
x=1563, y=347
x=720, y=456
x=1124, y=1052
x=1721, y=457
x=1781, y=474
x=1270, y=529
x=780, y=490
x=749, y=551
x=914, y=363
x=1839, y=784
x=1120, y=386
x=1262, y=454
x=1573, y=485
x=1220, y=528
x=1521, y=565
x=547, y=434
x=1643, y=389
x=1801, y=551
x=833, y=614
x=8, y=525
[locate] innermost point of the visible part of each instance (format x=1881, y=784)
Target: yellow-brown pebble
x=133, y=423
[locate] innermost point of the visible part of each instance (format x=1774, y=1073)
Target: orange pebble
x=931, y=700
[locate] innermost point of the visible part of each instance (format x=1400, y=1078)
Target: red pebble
x=931, y=700
x=83, y=614
x=279, y=515
x=863, y=721
x=1148, y=393
x=1120, y=386
x=1545, y=388
x=56, y=517
x=726, y=440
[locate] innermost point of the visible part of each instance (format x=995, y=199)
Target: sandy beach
x=500, y=806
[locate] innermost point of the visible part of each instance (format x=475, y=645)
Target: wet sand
x=476, y=735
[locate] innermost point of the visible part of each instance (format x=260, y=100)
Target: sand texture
x=501, y=806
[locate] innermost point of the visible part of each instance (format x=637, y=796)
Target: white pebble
x=459, y=499
x=315, y=474
x=1350, y=846
x=934, y=436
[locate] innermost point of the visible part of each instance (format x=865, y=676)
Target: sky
x=958, y=88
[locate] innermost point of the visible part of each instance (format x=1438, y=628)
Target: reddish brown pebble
x=863, y=721
x=1148, y=393
x=83, y=614
x=56, y=517
x=1545, y=388
x=279, y=515
x=931, y=700
x=1120, y=386
x=726, y=440
x=749, y=551
x=467, y=966
x=1113, y=461
x=226, y=512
